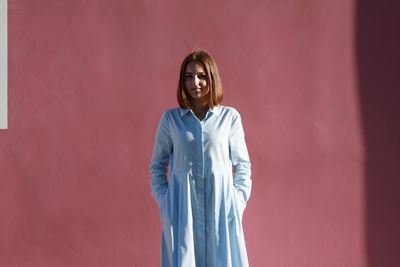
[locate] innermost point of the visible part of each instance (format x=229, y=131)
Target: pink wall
x=88, y=81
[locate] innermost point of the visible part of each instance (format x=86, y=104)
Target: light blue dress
x=200, y=179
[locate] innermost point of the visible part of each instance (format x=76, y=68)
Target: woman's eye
x=202, y=77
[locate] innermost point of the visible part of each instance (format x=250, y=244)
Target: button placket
x=200, y=192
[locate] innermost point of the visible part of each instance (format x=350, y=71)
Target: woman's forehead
x=196, y=66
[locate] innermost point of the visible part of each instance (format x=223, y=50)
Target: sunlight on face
x=196, y=81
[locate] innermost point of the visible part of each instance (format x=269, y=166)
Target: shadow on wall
x=378, y=59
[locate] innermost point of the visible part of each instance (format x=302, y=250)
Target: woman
x=200, y=173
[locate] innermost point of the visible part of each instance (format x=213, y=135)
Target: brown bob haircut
x=215, y=95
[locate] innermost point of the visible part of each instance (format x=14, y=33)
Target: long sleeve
x=159, y=161
x=240, y=159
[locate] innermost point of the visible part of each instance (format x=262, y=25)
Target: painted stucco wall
x=88, y=81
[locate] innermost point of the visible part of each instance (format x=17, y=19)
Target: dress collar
x=215, y=110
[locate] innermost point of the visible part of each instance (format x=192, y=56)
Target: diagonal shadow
x=378, y=59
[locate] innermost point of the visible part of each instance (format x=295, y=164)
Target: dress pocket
x=240, y=203
x=164, y=206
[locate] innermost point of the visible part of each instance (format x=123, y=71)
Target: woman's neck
x=200, y=109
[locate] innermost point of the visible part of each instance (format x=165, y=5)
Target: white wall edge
x=3, y=64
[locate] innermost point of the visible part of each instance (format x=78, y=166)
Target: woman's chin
x=196, y=96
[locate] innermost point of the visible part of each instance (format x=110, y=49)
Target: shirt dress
x=200, y=179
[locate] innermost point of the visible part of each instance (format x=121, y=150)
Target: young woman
x=200, y=173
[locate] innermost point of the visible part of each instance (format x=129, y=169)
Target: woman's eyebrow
x=196, y=72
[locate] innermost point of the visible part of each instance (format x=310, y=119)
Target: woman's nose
x=196, y=80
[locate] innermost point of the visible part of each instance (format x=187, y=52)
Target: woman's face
x=196, y=81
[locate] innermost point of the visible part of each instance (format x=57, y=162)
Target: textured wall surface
x=89, y=79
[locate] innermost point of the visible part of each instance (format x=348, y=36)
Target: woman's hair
x=215, y=94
